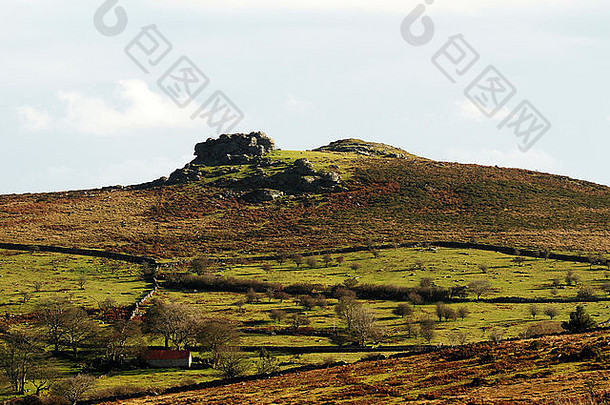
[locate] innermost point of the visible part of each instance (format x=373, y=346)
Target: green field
x=447, y=267
x=59, y=274
x=28, y=278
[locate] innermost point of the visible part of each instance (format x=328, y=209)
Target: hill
x=550, y=370
x=261, y=200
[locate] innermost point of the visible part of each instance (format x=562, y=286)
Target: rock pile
x=233, y=149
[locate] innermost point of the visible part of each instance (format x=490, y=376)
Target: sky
x=84, y=107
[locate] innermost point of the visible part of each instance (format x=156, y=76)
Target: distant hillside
x=240, y=195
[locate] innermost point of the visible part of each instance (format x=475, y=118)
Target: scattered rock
x=263, y=195
x=364, y=148
x=302, y=167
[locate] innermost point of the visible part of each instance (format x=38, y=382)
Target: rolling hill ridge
x=242, y=196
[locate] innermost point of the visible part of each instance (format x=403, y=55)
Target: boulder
x=302, y=167
x=263, y=195
x=233, y=149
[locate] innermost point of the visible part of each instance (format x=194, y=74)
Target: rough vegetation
x=272, y=259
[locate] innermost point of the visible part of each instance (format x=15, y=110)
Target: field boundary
x=512, y=251
x=80, y=252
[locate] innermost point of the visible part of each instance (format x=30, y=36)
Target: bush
x=306, y=301
x=579, y=321
x=586, y=293
x=541, y=329
x=403, y=310
x=278, y=315
x=312, y=262
x=463, y=312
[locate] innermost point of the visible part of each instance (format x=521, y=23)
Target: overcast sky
x=77, y=112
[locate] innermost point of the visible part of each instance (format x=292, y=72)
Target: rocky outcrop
x=301, y=177
x=258, y=178
x=364, y=148
x=233, y=149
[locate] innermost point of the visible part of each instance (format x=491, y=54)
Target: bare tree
x=327, y=258
x=106, y=306
x=75, y=388
x=252, y=296
x=403, y=310
x=298, y=260
x=216, y=334
x=480, y=288
x=37, y=285
x=282, y=257
x=278, y=315
x=534, y=310
x=364, y=327
x=571, y=278
x=351, y=282
x=410, y=327
x=43, y=376
x=463, y=312
x=232, y=362
x=19, y=353
x=200, y=265
x=51, y=317
x=79, y=329
x=177, y=324
x=551, y=312
x=426, y=329
x=346, y=308
x=496, y=336
x=298, y=320
x=123, y=342
x=267, y=363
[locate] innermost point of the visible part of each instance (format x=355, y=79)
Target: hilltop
x=241, y=195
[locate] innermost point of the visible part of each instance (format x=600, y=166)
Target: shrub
x=496, y=336
x=579, y=321
x=306, y=301
x=403, y=310
x=541, y=329
x=312, y=262
x=586, y=293
x=278, y=315
x=551, y=312
x=463, y=312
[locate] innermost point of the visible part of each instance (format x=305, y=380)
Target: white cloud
x=532, y=160
x=294, y=104
x=33, y=119
x=134, y=106
x=465, y=109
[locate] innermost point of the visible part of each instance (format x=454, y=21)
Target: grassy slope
x=59, y=275
x=388, y=199
x=521, y=372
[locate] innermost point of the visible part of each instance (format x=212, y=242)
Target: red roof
x=167, y=354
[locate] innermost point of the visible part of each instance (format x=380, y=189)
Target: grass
x=447, y=267
x=57, y=274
